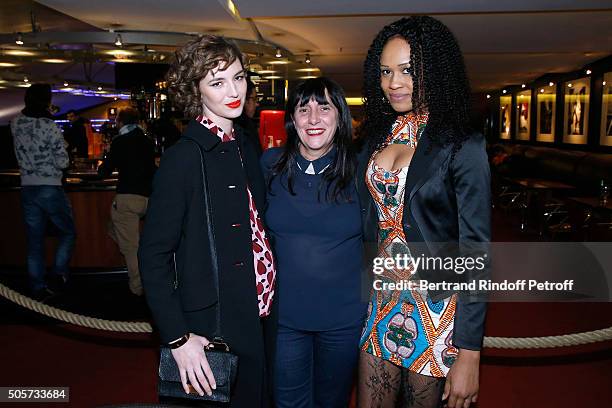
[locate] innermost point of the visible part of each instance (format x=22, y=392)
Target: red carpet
x=100, y=368
x=104, y=368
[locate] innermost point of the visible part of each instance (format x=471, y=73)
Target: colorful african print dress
x=404, y=326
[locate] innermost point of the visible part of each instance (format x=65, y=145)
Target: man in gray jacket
x=41, y=154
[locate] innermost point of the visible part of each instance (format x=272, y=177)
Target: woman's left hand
x=461, y=387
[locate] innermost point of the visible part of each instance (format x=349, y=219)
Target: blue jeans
x=42, y=204
x=315, y=369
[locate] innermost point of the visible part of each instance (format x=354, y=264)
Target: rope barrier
x=566, y=340
x=69, y=317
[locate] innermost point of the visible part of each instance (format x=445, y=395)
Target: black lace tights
x=385, y=385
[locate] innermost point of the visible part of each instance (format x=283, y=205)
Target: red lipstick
x=234, y=105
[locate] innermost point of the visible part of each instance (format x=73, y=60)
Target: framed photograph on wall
x=576, y=117
x=546, y=103
x=523, y=105
x=505, y=114
x=606, y=111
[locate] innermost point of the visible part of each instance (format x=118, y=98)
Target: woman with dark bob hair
x=427, y=187
x=314, y=222
x=209, y=188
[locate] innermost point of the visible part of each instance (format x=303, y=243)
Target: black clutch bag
x=223, y=363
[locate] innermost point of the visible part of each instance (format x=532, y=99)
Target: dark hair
x=128, y=116
x=191, y=63
x=250, y=86
x=440, y=84
x=340, y=173
x=38, y=96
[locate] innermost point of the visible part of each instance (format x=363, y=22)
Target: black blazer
x=183, y=301
x=445, y=201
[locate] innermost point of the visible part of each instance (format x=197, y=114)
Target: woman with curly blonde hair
x=212, y=166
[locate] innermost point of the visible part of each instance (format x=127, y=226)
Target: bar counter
x=91, y=197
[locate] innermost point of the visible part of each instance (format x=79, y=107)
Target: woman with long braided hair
x=426, y=190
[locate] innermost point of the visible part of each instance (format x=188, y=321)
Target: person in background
x=165, y=131
x=426, y=183
x=207, y=81
x=132, y=153
x=41, y=155
x=76, y=135
x=247, y=119
x=313, y=216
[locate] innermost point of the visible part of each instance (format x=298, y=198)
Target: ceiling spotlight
x=19, y=39
x=278, y=53
x=118, y=41
x=99, y=88
x=504, y=91
x=307, y=60
x=19, y=53
x=542, y=90
x=588, y=72
x=551, y=83
x=569, y=85
x=488, y=96
x=65, y=83
x=54, y=61
x=604, y=83
x=523, y=86
x=25, y=79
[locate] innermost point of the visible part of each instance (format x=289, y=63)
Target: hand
x=461, y=386
x=193, y=365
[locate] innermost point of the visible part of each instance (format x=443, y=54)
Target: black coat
x=133, y=154
x=176, y=224
x=445, y=201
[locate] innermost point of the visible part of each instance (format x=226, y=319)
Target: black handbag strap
x=217, y=336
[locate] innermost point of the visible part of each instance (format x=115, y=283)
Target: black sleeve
x=167, y=209
x=110, y=162
x=472, y=181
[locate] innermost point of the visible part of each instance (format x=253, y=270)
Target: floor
x=104, y=368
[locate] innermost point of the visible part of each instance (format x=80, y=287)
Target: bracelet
x=179, y=342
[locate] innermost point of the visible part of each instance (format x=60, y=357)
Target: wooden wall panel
x=93, y=248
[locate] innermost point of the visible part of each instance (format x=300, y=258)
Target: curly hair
x=340, y=173
x=440, y=84
x=191, y=63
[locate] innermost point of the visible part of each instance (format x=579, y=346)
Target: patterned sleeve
x=58, y=147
